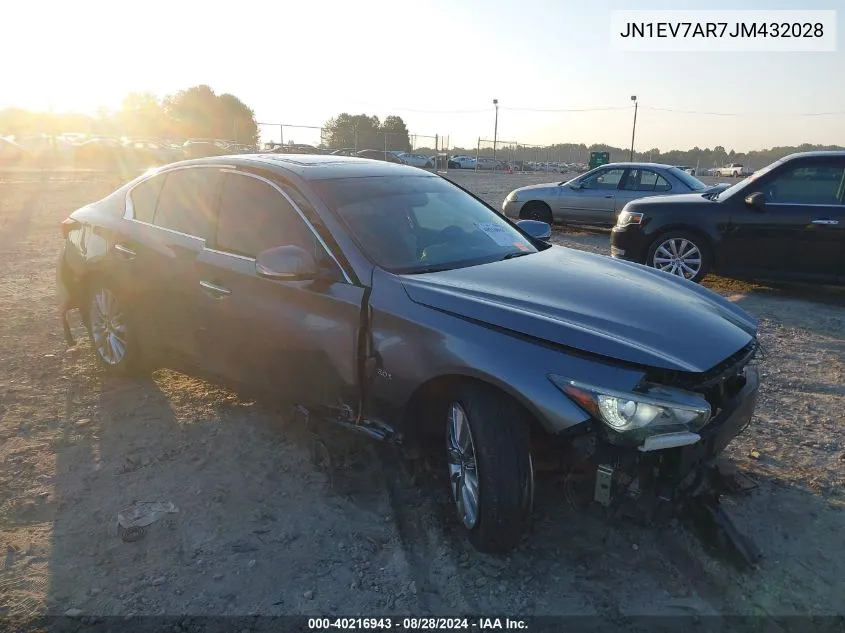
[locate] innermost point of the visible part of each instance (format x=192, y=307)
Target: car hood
x=697, y=197
x=720, y=186
x=542, y=185
x=595, y=304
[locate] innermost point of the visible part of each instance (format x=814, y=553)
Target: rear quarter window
x=187, y=201
x=145, y=198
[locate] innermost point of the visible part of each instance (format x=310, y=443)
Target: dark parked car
x=346, y=151
x=786, y=221
x=377, y=154
x=391, y=301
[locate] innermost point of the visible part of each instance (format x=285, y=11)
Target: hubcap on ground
x=108, y=327
x=463, y=467
x=678, y=256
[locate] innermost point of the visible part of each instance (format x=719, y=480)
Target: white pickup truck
x=734, y=170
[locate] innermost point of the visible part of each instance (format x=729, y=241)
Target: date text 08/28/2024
x=417, y=624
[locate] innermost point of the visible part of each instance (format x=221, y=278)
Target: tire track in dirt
x=420, y=538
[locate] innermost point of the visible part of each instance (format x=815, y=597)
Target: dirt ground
x=260, y=530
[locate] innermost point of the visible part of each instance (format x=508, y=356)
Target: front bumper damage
x=671, y=476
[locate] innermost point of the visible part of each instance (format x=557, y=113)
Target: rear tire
x=112, y=331
x=495, y=447
x=536, y=210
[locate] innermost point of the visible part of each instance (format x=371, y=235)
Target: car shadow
x=576, y=559
x=257, y=521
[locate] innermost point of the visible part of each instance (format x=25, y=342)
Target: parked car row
x=97, y=151
x=785, y=221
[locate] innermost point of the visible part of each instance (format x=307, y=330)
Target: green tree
x=358, y=130
x=142, y=115
x=397, y=134
x=240, y=118
x=200, y=113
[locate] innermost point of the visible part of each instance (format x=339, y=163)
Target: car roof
x=834, y=153
x=635, y=165
x=314, y=166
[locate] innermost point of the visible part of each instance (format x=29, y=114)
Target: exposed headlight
x=511, y=197
x=627, y=218
x=654, y=410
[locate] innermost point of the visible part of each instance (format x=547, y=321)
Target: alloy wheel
x=463, y=466
x=108, y=327
x=678, y=256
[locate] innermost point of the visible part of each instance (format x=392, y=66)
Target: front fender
x=415, y=344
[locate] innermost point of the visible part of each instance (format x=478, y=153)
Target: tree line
x=199, y=112
x=196, y=112
x=362, y=131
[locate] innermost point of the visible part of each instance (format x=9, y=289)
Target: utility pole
x=495, y=131
x=634, y=130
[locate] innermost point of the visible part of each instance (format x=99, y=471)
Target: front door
x=296, y=340
x=594, y=202
x=800, y=231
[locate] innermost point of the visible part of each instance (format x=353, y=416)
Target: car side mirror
x=536, y=229
x=576, y=186
x=756, y=201
x=286, y=263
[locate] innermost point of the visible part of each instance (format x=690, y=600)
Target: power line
x=749, y=114
x=593, y=109
x=421, y=111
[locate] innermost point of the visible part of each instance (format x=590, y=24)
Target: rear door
x=297, y=340
x=640, y=183
x=168, y=219
x=801, y=232
x=595, y=201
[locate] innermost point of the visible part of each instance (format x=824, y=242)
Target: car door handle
x=826, y=221
x=214, y=291
x=126, y=253
x=610, y=196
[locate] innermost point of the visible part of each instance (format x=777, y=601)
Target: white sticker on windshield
x=498, y=233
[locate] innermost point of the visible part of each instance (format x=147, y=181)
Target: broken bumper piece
x=678, y=471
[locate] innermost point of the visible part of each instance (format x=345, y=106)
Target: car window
x=145, y=198
x=186, y=202
x=808, y=184
x=420, y=223
x=254, y=216
x=605, y=179
x=646, y=180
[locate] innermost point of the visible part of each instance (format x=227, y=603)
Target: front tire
x=491, y=473
x=111, y=330
x=681, y=254
x=536, y=210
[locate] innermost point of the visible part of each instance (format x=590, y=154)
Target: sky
x=436, y=63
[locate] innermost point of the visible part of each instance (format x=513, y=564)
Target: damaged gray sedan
x=393, y=303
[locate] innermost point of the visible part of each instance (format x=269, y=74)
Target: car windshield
x=689, y=180
x=421, y=224
x=730, y=191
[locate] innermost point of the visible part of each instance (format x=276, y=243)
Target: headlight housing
x=627, y=218
x=654, y=410
x=511, y=197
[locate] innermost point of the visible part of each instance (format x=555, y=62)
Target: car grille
x=720, y=383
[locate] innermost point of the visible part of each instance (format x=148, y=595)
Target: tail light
x=68, y=225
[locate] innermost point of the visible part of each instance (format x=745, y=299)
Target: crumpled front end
x=671, y=467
